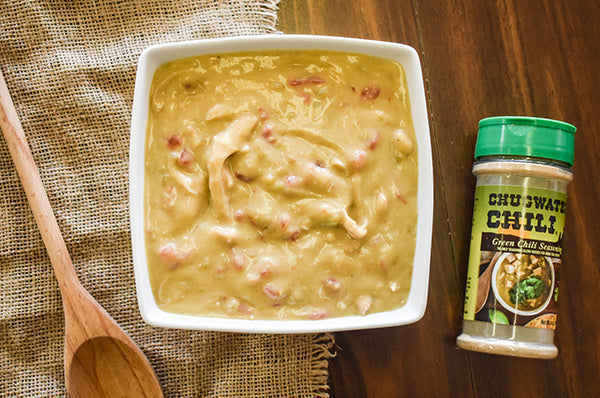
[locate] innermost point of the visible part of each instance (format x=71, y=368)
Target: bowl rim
x=152, y=57
x=505, y=304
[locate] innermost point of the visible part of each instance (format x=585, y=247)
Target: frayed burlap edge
x=323, y=351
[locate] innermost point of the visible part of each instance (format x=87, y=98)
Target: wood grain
x=509, y=57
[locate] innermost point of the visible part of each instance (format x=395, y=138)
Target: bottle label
x=515, y=256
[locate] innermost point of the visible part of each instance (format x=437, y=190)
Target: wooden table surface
x=482, y=58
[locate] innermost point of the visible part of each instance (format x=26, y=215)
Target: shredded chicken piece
x=229, y=234
x=191, y=183
x=363, y=303
x=309, y=179
x=331, y=212
x=354, y=230
x=402, y=144
x=223, y=145
x=219, y=111
x=381, y=202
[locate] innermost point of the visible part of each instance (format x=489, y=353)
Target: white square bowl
x=157, y=55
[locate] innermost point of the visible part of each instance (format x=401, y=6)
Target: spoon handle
x=34, y=189
x=99, y=356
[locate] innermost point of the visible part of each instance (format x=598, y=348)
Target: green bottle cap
x=526, y=136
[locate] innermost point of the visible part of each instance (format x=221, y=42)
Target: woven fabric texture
x=70, y=67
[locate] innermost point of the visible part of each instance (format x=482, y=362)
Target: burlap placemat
x=70, y=67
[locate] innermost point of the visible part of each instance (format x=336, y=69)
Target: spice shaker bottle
x=523, y=166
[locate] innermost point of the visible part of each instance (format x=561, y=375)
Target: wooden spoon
x=100, y=359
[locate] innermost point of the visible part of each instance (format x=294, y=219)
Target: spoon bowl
x=100, y=359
